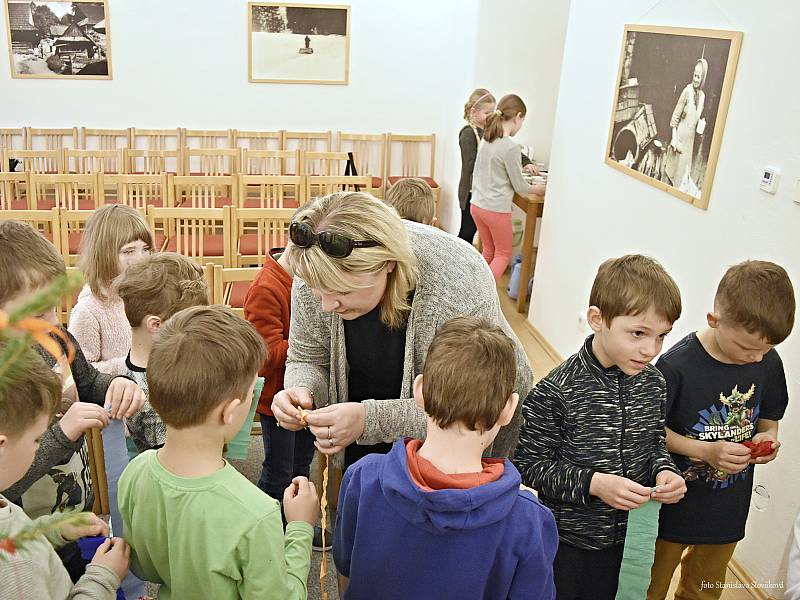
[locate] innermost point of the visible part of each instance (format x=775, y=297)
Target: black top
x=710, y=400
x=375, y=356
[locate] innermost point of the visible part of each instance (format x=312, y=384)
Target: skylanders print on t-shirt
x=713, y=401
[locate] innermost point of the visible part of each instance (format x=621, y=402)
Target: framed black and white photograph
x=58, y=39
x=673, y=90
x=298, y=43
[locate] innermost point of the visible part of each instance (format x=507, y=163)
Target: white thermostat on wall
x=769, y=179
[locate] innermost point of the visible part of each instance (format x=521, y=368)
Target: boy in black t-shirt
x=725, y=385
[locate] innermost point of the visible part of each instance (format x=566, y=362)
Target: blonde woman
x=116, y=235
x=370, y=292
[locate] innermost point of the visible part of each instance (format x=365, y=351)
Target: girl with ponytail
x=497, y=176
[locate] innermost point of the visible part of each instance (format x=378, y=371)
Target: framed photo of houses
x=671, y=99
x=298, y=43
x=58, y=40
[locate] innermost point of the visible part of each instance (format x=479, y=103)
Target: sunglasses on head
x=335, y=245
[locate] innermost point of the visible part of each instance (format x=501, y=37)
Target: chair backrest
x=201, y=191
x=267, y=162
x=410, y=155
x=256, y=231
x=68, y=302
x=14, y=190
x=12, y=137
x=305, y=141
x=369, y=152
x=36, y=161
x=94, y=161
x=224, y=281
x=325, y=163
x=68, y=191
x=208, y=138
x=46, y=222
x=211, y=161
x=258, y=140
x=156, y=139
x=105, y=139
x=137, y=191
x=153, y=162
x=270, y=191
x=203, y=234
x=322, y=185
x=73, y=224
x=45, y=138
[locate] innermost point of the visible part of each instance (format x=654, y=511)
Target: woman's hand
x=286, y=406
x=531, y=169
x=336, y=426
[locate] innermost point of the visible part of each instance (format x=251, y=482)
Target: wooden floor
x=542, y=364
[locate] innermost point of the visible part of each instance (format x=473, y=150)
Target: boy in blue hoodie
x=451, y=524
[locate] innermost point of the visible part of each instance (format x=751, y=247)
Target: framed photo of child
x=672, y=94
x=58, y=40
x=298, y=43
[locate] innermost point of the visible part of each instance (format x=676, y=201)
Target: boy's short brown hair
x=27, y=260
x=202, y=356
x=758, y=295
x=469, y=374
x=161, y=285
x=630, y=285
x=413, y=199
x=34, y=390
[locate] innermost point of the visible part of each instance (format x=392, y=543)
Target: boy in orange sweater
x=267, y=306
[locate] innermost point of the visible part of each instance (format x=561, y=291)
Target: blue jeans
x=287, y=454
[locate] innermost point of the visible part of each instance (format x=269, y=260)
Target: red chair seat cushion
x=429, y=180
x=213, y=244
x=248, y=244
x=238, y=293
x=376, y=182
x=74, y=240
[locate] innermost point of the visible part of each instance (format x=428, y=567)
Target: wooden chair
x=104, y=139
x=135, y=190
x=153, y=162
x=406, y=157
x=267, y=162
x=94, y=161
x=14, y=190
x=324, y=163
x=73, y=224
x=68, y=191
x=200, y=191
x=268, y=191
x=258, y=140
x=12, y=138
x=322, y=185
x=208, y=138
x=256, y=231
x=202, y=234
x=51, y=138
x=35, y=161
x=305, y=141
x=369, y=153
x=231, y=285
x=46, y=222
x=68, y=301
x=208, y=275
x=211, y=161
x=155, y=139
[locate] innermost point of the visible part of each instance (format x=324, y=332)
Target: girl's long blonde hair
x=476, y=98
x=360, y=217
x=107, y=231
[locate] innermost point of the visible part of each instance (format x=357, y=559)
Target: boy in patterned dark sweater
x=593, y=442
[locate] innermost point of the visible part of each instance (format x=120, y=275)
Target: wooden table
x=533, y=206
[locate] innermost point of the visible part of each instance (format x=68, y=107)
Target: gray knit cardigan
x=453, y=280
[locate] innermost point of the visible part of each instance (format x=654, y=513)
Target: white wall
x=183, y=63
x=594, y=212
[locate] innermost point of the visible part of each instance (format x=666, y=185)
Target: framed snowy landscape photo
x=298, y=43
x=60, y=40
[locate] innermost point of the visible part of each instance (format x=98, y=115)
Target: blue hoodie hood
x=446, y=510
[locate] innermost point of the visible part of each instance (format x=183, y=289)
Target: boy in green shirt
x=196, y=525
